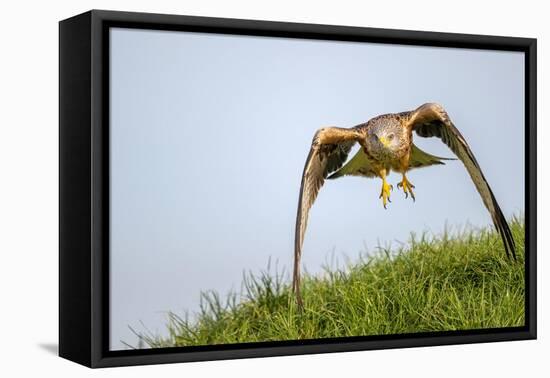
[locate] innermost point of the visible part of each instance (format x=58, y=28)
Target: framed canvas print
x=235, y=188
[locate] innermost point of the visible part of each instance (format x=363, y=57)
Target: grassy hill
x=439, y=283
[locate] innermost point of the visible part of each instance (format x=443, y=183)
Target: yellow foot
x=385, y=193
x=407, y=187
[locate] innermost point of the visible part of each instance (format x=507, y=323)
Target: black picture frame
x=84, y=182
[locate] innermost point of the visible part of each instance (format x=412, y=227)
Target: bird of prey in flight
x=387, y=145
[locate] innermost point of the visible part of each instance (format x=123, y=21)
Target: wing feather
x=431, y=120
x=359, y=165
x=329, y=150
x=421, y=159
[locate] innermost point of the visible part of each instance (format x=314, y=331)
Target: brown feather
x=431, y=120
x=329, y=150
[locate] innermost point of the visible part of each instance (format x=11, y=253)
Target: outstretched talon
x=407, y=187
x=385, y=193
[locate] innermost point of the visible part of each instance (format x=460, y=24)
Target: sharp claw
x=407, y=187
x=385, y=193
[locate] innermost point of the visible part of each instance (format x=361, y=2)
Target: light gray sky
x=209, y=135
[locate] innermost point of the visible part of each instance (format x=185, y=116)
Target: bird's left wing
x=329, y=150
x=421, y=159
x=431, y=120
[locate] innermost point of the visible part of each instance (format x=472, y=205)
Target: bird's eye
x=391, y=136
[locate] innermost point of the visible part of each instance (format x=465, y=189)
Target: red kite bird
x=387, y=145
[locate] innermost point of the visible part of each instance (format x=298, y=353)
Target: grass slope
x=439, y=283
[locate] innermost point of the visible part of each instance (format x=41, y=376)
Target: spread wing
x=359, y=165
x=329, y=150
x=431, y=120
x=420, y=158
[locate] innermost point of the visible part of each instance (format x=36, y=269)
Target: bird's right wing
x=329, y=150
x=359, y=165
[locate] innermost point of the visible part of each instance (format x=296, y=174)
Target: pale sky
x=209, y=135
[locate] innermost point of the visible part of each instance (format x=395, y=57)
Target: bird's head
x=386, y=135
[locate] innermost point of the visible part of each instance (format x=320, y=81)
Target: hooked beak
x=384, y=141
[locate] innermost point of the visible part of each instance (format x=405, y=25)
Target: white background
x=29, y=187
